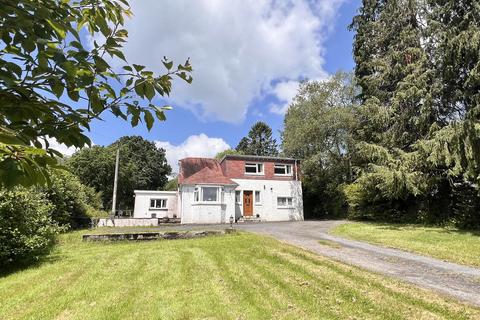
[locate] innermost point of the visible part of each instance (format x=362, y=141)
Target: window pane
x=289, y=201
x=279, y=169
x=196, y=197
x=260, y=168
x=257, y=197
x=281, y=201
x=250, y=168
x=209, y=194
x=237, y=196
x=289, y=169
x=152, y=203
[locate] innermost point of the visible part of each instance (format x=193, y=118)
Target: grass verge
x=447, y=244
x=238, y=276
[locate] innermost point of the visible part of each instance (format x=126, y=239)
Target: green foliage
x=73, y=203
x=142, y=166
x=52, y=84
x=318, y=129
x=259, y=141
x=172, y=185
x=27, y=230
x=418, y=141
x=221, y=154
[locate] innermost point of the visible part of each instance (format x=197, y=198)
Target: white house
x=238, y=186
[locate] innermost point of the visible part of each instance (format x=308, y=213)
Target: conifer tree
x=259, y=141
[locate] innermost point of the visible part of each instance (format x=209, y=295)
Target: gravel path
x=452, y=279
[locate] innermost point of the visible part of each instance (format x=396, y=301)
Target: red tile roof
x=202, y=170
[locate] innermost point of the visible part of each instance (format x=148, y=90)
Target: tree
x=172, y=184
x=53, y=85
x=418, y=143
x=259, y=141
x=318, y=129
x=142, y=166
x=221, y=154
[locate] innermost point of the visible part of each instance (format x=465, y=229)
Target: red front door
x=247, y=203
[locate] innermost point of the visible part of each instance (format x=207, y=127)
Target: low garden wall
x=167, y=235
x=134, y=222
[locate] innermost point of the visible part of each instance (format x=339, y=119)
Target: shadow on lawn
x=47, y=258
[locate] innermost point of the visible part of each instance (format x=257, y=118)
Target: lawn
x=446, y=244
x=239, y=276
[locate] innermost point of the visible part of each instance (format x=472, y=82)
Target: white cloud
x=237, y=48
x=60, y=147
x=194, y=146
x=284, y=92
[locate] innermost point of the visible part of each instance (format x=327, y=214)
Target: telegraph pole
x=115, y=181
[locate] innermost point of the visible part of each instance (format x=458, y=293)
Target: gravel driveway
x=452, y=279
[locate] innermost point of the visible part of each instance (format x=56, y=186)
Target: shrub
x=27, y=230
x=73, y=203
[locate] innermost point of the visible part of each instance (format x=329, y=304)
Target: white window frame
x=199, y=192
x=285, y=166
x=163, y=203
x=257, y=199
x=257, y=165
x=287, y=204
x=196, y=194
x=239, y=196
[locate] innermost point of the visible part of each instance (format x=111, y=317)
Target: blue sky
x=248, y=57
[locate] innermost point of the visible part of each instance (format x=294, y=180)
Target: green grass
x=329, y=243
x=238, y=276
x=447, y=244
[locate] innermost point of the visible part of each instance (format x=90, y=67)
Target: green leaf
x=149, y=120
x=57, y=88
x=139, y=88
x=59, y=29
x=160, y=115
x=101, y=64
x=138, y=67
x=149, y=90
x=168, y=64
x=10, y=139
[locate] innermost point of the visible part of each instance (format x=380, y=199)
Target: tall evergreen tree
x=259, y=141
x=419, y=138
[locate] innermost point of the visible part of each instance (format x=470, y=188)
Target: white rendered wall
x=205, y=213
x=106, y=222
x=267, y=209
x=142, y=204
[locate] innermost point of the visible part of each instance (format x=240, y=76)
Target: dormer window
x=253, y=168
x=283, y=169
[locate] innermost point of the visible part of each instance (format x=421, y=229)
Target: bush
x=73, y=203
x=27, y=230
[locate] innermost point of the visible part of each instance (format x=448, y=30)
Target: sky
x=247, y=56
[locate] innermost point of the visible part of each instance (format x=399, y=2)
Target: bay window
x=207, y=194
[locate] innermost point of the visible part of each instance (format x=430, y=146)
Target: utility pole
x=115, y=181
